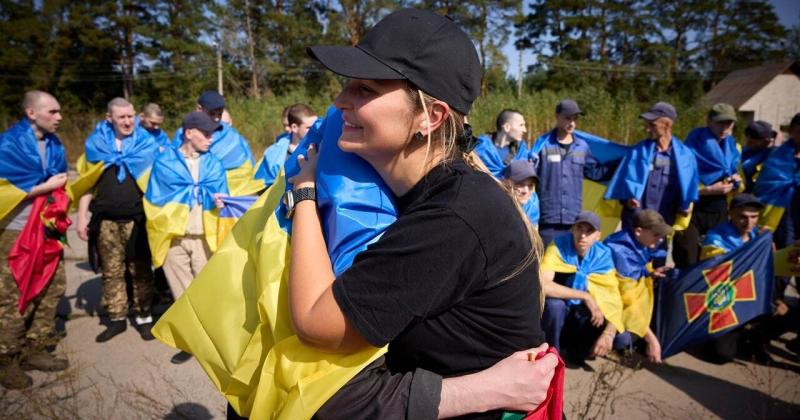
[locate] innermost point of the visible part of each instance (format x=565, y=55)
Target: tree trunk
x=254, y=91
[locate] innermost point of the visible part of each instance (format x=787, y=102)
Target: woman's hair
x=446, y=138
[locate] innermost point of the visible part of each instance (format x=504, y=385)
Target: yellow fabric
x=88, y=175
x=771, y=216
x=604, y=287
x=224, y=226
x=608, y=210
x=241, y=181
x=787, y=261
x=170, y=221
x=235, y=319
x=709, y=251
x=10, y=197
x=637, y=303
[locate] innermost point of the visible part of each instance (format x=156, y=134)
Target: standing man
x=181, y=206
x=300, y=118
x=151, y=119
x=32, y=164
x=760, y=138
x=562, y=159
x=659, y=173
x=113, y=178
x=718, y=161
x=498, y=149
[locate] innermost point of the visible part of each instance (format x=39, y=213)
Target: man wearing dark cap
x=718, y=161
x=634, y=249
x=521, y=179
x=659, y=173
x=229, y=146
x=562, y=158
x=583, y=308
x=189, y=179
x=760, y=138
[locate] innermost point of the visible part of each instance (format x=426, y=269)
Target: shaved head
x=118, y=103
x=35, y=98
x=43, y=111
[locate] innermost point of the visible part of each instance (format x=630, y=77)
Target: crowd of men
x=148, y=207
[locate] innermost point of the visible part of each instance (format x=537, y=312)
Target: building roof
x=740, y=85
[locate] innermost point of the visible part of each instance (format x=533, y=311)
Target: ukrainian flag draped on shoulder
x=531, y=209
x=631, y=177
x=714, y=160
x=632, y=261
x=594, y=273
x=274, y=159
x=234, y=152
x=776, y=184
x=489, y=156
x=172, y=193
x=21, y=166
x=139, y=151
x=723, y=238
x=235, y=315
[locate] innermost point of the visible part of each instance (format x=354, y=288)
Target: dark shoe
x=145, y=333
x=113, y=329
x=44, y=361
x=12, y=377
x=180, y=357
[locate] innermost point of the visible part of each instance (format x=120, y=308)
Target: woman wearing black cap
x=452, y=286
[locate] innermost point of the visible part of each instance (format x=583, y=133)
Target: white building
x=770, y=93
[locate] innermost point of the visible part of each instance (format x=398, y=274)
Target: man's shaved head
x=118, y=103
x=43, y=111
x=34, y=99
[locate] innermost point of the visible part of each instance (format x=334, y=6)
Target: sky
x=788, y=12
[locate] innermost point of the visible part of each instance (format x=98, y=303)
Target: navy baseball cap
x=200, y=121
x=420, y=46
x=659, y=110
x=760, y=130
x=568, y=107
x=589, y=218
x=519, y=170
x=795, y=120
x=211, y=99
x=746, y=199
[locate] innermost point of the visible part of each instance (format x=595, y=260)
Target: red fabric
x=34, y=257
x=551, y=407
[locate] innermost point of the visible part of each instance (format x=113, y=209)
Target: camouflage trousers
x=40, y=313
x=112, y=242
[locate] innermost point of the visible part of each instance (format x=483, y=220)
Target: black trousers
x=687, y=243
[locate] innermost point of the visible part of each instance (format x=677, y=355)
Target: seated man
x=634, y=249
x=521, y=179
x=741, y=227
x=582, y=300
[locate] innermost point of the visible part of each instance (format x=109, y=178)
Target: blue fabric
x=236, y=207
x=715, y=159
x=162, y=139
x=580, y=334
x=488, y=153
x=598, y=260
x=630, y=257
x=20, y=162
x=751, y=158
x=779, y=176
x=561, y=179
x=171, y=181
x=139, y=150
x=274, y=158
x=631, y=177
x=227, y=144
x=674, y=328
x=531, y=208
x=725, y=236
x=354, y=204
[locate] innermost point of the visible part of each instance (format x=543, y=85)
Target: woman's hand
x=307, y=177
x=521, y=384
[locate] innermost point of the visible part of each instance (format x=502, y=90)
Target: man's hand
x=603, y=344
x=661, y=272
x=218, y=200
x=82, y=227
x=633, y=203
x=597, y=314
x=653, y=349
x=719, y=188
x=56, y=181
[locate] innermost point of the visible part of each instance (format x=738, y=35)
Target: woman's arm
x=318, y=320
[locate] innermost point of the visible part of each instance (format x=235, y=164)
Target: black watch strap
x=302, y=194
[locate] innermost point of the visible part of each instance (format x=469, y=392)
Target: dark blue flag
x=715, y=296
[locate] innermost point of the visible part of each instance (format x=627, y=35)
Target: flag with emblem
x=715, y=297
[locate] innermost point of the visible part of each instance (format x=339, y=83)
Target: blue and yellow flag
x=776, y=183
x=632, y=262
x=722, y=239
x=235, y=315
x=594, y=273
x=234, y=152
x=274, y=158
x=715, y=296
x=752, y=162
x=714, y=161
x=631, y=177
x=161, y=137
x=171, y=195
x=21, y=166
x=139, y=151
x=235, y=208
x=486, y=150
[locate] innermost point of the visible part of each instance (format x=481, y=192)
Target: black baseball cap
x=795, y=120
x=568, y=107
x=200, y=121
x=420, y=46
x=746, y=199
x=519, y=170
x=760, y=130
x=211, y=99
x=659, y=110
x=589, y=218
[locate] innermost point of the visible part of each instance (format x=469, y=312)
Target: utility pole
x=519, y=74
x=219, y=68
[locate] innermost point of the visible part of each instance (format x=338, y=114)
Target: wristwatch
x=292, y=197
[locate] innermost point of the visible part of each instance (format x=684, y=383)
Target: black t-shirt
x=115, y=200
x=431, y=286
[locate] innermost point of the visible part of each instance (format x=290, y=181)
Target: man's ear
x=108, y=117
x=30, y=113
